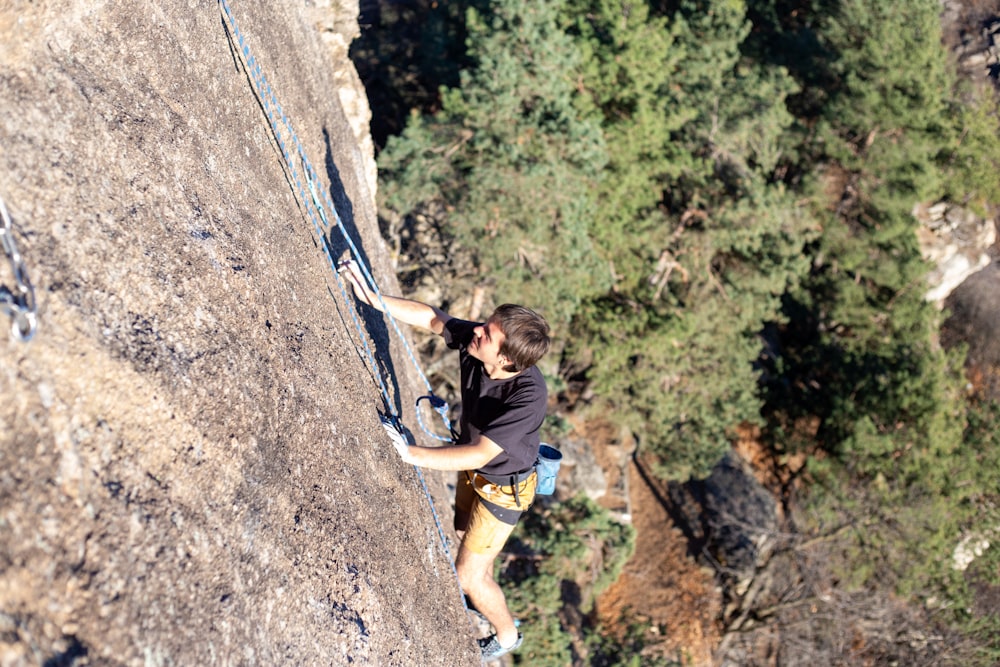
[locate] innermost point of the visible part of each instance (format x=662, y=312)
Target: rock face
x=191, y=466
x=579, y=471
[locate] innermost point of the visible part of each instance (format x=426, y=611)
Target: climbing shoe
x=490, y=647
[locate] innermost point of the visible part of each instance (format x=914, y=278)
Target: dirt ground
x=661, y=586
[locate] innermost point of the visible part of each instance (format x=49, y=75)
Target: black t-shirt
x=509, y=412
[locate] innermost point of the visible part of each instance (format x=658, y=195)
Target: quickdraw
x=17, y=304
x=316, y=205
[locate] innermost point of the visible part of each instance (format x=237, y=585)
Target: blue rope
x=441, y=407
x=322, y=225
x=317, y=214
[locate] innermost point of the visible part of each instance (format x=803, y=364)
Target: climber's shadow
x=339, y=239
x=342, y=227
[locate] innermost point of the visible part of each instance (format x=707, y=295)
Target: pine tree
x=512, y=160
x=860, y=347
x=873, y=360
x=702, y=241
x=630, y=60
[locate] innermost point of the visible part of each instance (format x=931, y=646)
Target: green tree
x=614, y=167
x=630, y=60
x=511, y=160
x=863, y=342
x=568, y=546
x=703, y=242
x=860, y=348
x=973, y=159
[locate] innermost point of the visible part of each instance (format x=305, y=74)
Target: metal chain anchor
x=19, y=304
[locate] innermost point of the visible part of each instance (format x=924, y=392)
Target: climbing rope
x=316, y=208
x=440, y=406
x=17, y=304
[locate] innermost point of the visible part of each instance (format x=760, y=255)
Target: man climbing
x=503, y=405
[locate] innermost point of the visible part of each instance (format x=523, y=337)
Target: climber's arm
x=458, y=457
x=409, y=311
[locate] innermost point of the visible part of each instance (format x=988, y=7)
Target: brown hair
x=526, y=336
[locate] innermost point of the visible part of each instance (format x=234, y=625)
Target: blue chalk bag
x=547, y=467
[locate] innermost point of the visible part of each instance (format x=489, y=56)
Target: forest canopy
x=712, y=202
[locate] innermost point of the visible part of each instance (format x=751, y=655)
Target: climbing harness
x=17, y=304
x=316, y=207
x=511, y=484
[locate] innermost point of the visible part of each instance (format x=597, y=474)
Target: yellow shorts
x=485, y=532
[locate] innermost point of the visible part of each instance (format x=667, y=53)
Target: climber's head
x=525, y=336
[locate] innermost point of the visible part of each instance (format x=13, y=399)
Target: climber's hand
x=350, y=270
x=399, y=440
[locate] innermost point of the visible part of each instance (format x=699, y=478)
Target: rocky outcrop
x=733, y=520
x=579, y=471
x=191, y=466
x=976, y=44
x=956, y=241
x=336, y=22
x=974, y=319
